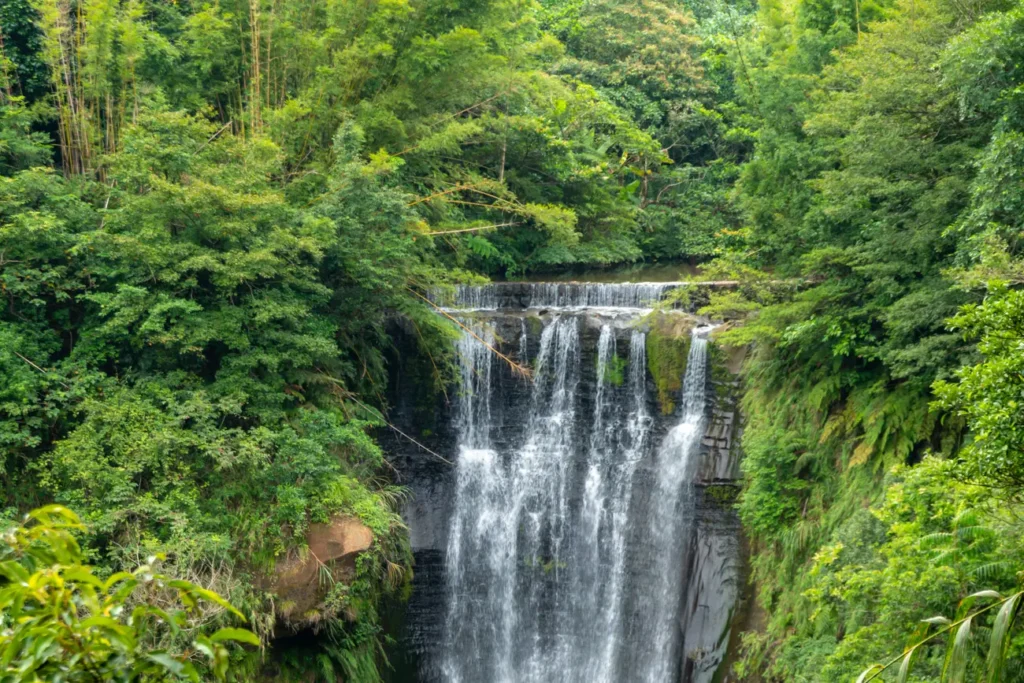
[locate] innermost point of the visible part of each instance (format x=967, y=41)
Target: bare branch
x=480, y=227
x=518, y=369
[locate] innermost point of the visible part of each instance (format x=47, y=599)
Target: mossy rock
x=615, y=371
x=722, y=360
x=668, y=347
x=722, y=495
x=301, y=580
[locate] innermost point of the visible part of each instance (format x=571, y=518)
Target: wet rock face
x=716, y=574
x=298, y=581
x=709, y=567
x=715, y=582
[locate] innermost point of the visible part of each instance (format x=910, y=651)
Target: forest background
x=210, y=212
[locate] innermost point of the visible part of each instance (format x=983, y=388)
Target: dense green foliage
x=211, y=212
x=519, y=152
x=62, y=622
x=666, y=70
x=173, y=355
x=881, y=194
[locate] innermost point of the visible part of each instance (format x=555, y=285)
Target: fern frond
x=987, y=571
x=933, y=540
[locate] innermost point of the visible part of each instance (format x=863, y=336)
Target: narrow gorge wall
x=582, y=527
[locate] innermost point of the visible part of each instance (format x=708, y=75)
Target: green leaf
x=1000, y=641
x=213, y=597
x=873, y=669
x=55, y=516
x=986, y=594
x=14, y=572
x=941, y=621
x=240, y=635
x=115, y=578
x=168, y=662
x=99, y=620
x=955, y=668
x=82, y=575
x=905, y=666
x=203, y=644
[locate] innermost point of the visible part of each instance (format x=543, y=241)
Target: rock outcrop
x=302, y=580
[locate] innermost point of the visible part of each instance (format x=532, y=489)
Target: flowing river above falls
x=582, y=528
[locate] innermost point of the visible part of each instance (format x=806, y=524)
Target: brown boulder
x=304, y=577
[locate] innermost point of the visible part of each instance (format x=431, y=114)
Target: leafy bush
x=61, y=621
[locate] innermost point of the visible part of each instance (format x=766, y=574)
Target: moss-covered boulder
x=668, y=347
x=302, y=580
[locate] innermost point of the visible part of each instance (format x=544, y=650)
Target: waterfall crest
x=568, y=296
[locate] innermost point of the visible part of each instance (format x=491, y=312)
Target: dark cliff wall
x=717, y=572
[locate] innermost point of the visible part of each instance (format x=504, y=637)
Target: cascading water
x=571, y=517
x=476, y=297
x=606, y=500
x=597, y=295
x=669, y=517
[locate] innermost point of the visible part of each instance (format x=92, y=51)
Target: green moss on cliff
x=668, y=346
x=722, y=495
x=615, y=371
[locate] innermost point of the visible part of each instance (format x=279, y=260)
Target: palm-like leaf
x=955, y=667
x=905, y=666
x=990, y=570
x=1000, y=640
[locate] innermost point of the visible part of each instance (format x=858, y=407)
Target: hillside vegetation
x=210, y=213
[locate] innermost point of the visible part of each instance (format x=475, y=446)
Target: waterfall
x=476, y=297
x=510, y=517
x=607, y=497
x=569, y=525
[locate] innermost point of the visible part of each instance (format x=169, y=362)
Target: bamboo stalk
x=4, y=71
x=255, y=97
